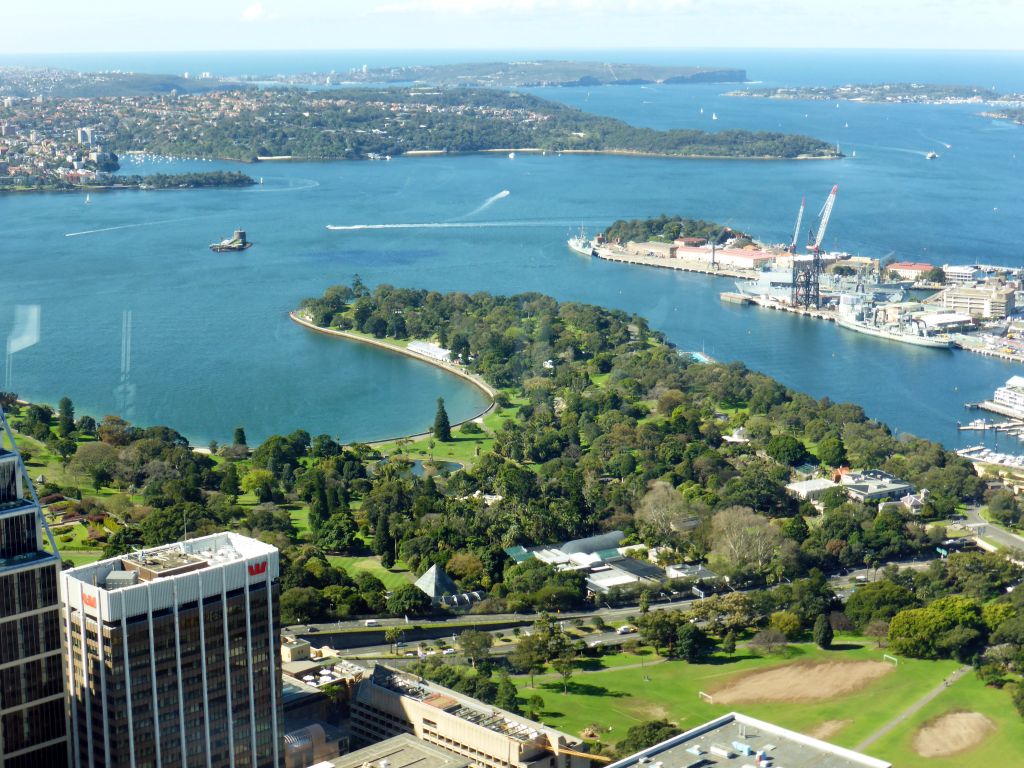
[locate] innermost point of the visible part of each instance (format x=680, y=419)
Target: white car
x=625, y=629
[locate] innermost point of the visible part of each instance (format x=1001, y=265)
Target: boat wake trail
x=917, y=152
x=268, y=190
x=128, y=226
x=488, y=203
x=937, y=141
x=449, y=225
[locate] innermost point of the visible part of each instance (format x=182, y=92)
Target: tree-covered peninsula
x=668, y=228
x=360, y=123
x=103, y=181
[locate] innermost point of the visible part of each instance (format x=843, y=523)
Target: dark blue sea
x=139, y=318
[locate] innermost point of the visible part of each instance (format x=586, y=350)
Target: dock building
x=174, y=656
x=992, y=300
x=737, y=741
x=962, y=273
x=1011, y=396
x=388, y=703
x=33, y=724
x=910, y=270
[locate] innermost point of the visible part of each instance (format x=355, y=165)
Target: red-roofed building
x=910, y=270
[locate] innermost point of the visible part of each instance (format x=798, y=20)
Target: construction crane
x=799, y=221
x=806, y=288
x=817, y=236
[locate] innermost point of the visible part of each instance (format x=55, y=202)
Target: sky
x=74, y=26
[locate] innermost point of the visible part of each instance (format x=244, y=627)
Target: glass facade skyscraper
x=33, y=722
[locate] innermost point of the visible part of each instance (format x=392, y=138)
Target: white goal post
x=887, y=657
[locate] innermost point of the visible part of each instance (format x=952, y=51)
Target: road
x=843, y=584
x=470, y=621
x=409, y=649
x=993, y=532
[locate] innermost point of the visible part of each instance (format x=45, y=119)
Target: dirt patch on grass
x=805, y=681
x=952, y=733
x=829, y=728
x=645, y=710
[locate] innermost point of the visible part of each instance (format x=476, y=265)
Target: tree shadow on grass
x=590, y=665
x=582, y=689
x=549, y=715
x=718, y=659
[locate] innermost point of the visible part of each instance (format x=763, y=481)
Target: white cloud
x=254, y=12
x=474, y=7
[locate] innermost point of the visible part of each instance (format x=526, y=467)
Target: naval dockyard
x=952, y=306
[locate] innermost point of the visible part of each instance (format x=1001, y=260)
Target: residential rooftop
x=737, y=741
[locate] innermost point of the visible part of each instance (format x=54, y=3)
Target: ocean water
x=211, y=346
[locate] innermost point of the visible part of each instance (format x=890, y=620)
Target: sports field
x=844, y=695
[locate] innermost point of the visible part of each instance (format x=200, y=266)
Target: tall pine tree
x=66, y=421
x=442, y=427
x=822, y=632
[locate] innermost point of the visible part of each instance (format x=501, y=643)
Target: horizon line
x=445, y=49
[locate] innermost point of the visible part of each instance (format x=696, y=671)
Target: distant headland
x=525, y=74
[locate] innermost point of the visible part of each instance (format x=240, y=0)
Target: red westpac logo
x=89, y=600
x=255, y=569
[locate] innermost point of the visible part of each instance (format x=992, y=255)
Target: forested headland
x=360, y=122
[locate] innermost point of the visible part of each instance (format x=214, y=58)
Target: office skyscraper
x=33, y=726
x=174, y=657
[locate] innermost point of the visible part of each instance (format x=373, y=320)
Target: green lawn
x=1001, y=747
x=82, y=557
x=463, y=448
x=617, y=698
x=300, y=519
x=371, y=564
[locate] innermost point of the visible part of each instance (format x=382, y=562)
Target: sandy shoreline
x=476, y=381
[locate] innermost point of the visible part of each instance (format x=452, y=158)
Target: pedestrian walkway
x=912, y=709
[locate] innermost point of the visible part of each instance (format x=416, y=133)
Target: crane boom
x=799, y=221
x=823, y=216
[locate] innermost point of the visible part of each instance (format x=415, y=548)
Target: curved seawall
x=473, y=379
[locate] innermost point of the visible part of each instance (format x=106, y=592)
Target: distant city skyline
x=593, y=25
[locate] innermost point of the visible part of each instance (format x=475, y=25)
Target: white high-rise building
x=180, y=664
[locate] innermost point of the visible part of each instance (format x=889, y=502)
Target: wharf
x=681, y=265
x=1012, y=427
x=972, y=344
x=735, y=298
x=1002, y=410
x=960, y=340
x=766, y=303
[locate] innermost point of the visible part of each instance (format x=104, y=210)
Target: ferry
x=908, y=333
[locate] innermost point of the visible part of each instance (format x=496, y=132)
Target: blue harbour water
x=211, y=346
